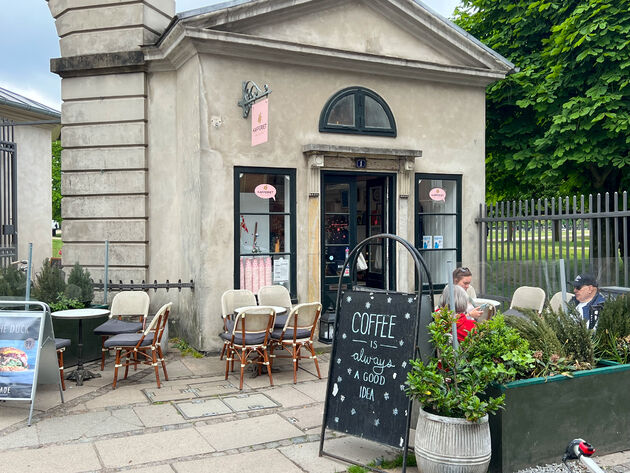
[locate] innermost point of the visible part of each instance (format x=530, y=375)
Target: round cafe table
x=80, y=373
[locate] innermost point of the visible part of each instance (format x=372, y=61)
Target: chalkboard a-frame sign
x=374, y=338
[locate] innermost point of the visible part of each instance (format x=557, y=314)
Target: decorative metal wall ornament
x=251, y=93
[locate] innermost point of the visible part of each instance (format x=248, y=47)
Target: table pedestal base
x=80, y=374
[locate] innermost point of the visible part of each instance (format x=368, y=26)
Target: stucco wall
x=34, y=192
x=445, y=121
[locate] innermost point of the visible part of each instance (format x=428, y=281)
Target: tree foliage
x=56, y=180
x=561, y=123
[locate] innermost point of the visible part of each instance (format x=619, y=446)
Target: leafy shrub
x=495, y=343
x=453, y=384
x=73, y=292
x=12, y=282
x=573, y=333
x=49, y=283
x=561, y=342
x=81, y=278
x=538, y=333
x=64, y=302
x=612, y=340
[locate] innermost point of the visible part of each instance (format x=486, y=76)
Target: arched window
x=357, y=110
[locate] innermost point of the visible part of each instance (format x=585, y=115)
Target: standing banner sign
x=27, y=351
x=375, y=336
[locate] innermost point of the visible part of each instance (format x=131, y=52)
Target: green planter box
x=542, y=415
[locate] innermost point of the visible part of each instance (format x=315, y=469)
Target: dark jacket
x=590, y=312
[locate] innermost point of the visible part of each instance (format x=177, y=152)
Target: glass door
x=340, y=233
x=375, y=253
x=354, y=207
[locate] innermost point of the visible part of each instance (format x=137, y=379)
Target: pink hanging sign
x=438, y=194
x=260, y=122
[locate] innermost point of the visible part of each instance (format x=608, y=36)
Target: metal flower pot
x=452, y=445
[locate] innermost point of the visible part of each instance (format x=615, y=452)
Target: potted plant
x=452, y=434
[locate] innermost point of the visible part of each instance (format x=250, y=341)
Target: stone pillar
x=104, y=134
x=406, y=167
x=315, y=164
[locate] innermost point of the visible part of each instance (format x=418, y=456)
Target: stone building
x=27, y=128
x=375, y=123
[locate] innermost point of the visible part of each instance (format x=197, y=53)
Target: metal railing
x=8, y=194
x=522, y=241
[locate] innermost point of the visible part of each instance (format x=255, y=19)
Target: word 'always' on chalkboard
x=374, y=341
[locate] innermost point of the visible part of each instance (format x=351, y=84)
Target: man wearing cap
x=587, y=299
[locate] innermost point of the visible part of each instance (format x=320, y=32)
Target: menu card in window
x=280, y=270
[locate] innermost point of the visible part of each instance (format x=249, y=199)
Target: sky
x=29, y=40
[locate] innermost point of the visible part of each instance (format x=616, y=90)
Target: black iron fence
x=521, y=242
x=8, y=194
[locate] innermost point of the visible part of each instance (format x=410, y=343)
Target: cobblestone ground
x=197, y=422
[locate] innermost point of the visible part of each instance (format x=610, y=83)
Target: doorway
x=355, y=206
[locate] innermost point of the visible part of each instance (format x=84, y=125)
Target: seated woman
x=465, y=322
x=462, y=277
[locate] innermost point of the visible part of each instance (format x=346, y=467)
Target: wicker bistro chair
x=60, y=345
x=143, y=347
x=124, y=304
x=297, y=333
x=526, y=297
x=230, y=301
x=278, y=296
x=555, y=304
x=248, y=339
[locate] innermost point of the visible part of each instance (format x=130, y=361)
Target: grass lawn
x=56, y=247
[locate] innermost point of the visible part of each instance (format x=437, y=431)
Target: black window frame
x=359, y=127
x=291, y=172
x=458, y=220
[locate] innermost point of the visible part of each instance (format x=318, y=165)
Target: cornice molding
x=183, y=42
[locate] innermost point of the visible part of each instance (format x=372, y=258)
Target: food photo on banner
x=18, y=355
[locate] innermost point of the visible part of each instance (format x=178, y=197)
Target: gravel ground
x=556, y=468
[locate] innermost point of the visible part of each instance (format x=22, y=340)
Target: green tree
x=559, y=124
x=56, y=180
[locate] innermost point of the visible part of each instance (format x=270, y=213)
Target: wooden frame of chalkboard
x=27, y=342
x=375, y=336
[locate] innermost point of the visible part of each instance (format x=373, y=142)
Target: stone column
x=406, y=166
x=104, y=134
x=315, y=165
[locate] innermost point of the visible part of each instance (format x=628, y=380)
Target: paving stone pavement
x=196, y=423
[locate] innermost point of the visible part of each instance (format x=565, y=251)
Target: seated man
x=587, y=300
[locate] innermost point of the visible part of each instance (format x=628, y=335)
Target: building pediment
x=394, y=37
